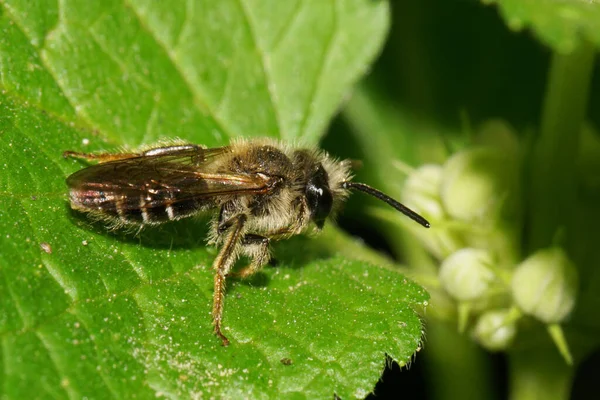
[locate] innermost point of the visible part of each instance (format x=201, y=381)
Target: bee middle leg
x=257, y=248
x=222, y=265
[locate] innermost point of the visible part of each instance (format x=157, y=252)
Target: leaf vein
x=52, y=354
x=103, y=375
x=199, y=100
x=151, y=119
x=319, y=76
x=18, y=99
x=17, y=303
x=136, y=76
x=54, y=272
x=228, y=83
x=131, y=290
x=79, y=111
x=186, y=21
x=16, y=21
x=266, y=69
x=38, y=52
x=279, y=37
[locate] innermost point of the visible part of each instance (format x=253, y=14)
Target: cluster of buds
x=474, y=203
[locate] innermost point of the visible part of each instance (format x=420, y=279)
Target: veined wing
x=158, y=177
x=183, y=154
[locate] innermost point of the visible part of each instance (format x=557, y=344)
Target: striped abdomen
x=152, y=207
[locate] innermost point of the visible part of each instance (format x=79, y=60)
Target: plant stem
x=539, y=374
x=552, y=193
x=456, y=367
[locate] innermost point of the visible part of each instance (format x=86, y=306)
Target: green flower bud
x=498, y=133
x=421, y=191
x=479, y=182
x=466, y=274
x=545, y=285
x=495, y=330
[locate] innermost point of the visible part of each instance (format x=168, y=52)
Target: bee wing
x=167, y=177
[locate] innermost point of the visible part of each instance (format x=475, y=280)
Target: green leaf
x=85, y=312
x=140, y=70
x=562, y=25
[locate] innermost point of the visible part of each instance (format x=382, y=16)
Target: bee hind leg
x=100, y=157
x=257, y=248
x=183, y=149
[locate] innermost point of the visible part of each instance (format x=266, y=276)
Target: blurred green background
x=446, y=69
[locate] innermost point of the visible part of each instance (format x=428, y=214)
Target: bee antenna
x=384, y=197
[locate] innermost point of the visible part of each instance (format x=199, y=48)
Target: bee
x=263, y=191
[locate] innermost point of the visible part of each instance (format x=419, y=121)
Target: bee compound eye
x=319, y=197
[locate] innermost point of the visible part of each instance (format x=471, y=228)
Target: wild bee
x=264, y=191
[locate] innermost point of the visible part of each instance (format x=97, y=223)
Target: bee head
x=318, y=196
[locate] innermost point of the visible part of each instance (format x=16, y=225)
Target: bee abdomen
x=136, y=210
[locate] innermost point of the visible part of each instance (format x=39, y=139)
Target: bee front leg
x=222, y=266
x=257, y=248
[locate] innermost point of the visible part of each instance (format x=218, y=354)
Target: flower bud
x=545, y=285
x=495, y=330
x=498, y=133
x=479, y=182
x=466, y=274
x=421, y=191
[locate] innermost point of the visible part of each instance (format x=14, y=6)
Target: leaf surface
x=560, y=24
x=85, y=312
